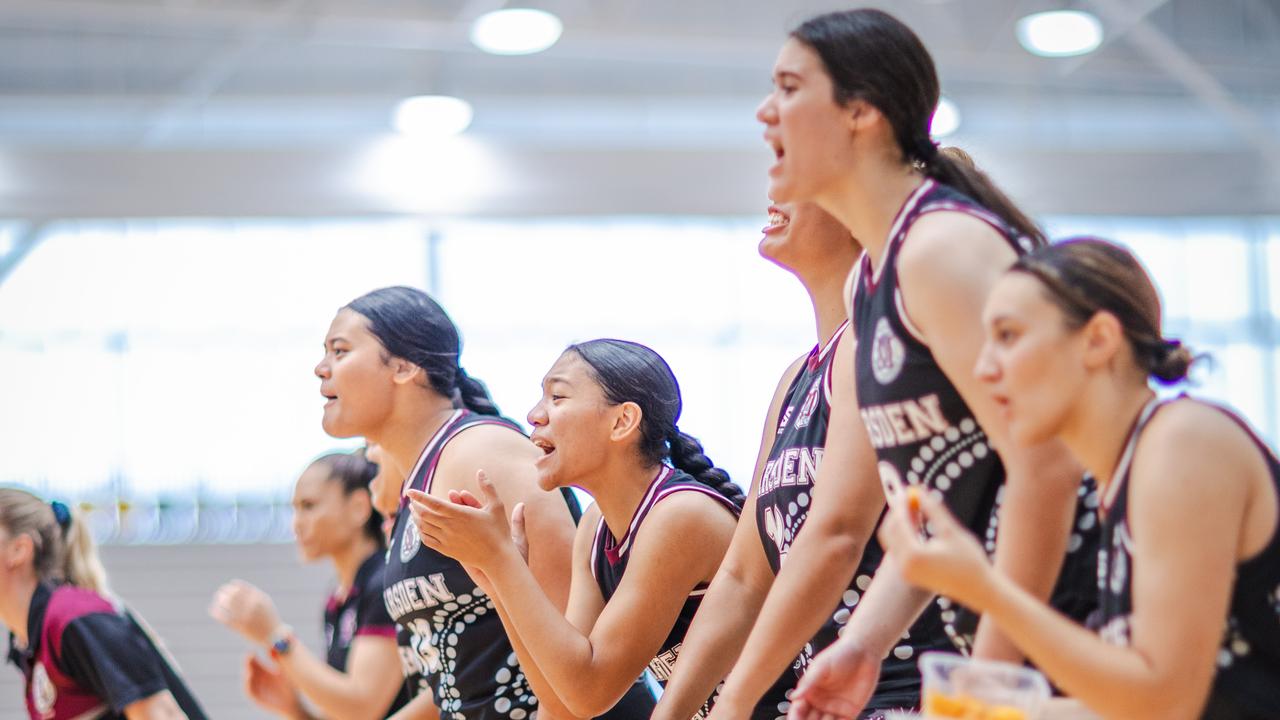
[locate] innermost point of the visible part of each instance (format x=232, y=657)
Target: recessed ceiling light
x=946, y=119
x=1060, y=33
x=432, y=116
x=518, y=31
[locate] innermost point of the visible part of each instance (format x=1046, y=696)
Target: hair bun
x=1171, y=361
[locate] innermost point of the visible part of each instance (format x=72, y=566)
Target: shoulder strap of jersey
x=1120, y=477
x=451, y=430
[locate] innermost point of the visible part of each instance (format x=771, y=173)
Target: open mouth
x=329, y=399
x=778, y=220
x=544, y=445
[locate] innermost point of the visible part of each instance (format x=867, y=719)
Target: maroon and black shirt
x=359, y=612
x=88, y=658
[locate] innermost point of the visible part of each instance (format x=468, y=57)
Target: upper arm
x=109, y=654
x=1187, y=498
x=374, y=667
x=160, y=706
x=507, y=457
x=678, y=546
x=848, y=482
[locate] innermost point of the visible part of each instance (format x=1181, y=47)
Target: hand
x=949, y=562
x=518, y=535
x=247, y=610
x=837, y=684
x=472, y=532
x=268, y=688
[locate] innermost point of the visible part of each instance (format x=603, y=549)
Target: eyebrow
x=335, y=339
x=780, y=74
x=553, y=379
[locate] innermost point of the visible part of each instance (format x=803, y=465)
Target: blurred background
x=189, y=189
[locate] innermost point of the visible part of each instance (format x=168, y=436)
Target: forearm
x=335, y=694
x=1034, y=527
x=550, y=705
x=558, y=650
x=1114, y=681
x=419, y=708
x=887, y=610
x=712, y=644
x=818, y=569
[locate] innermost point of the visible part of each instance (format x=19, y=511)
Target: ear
x=626, y=421
x=361, y=506
x=861, y=115
x=1103, y=338
x=21, y=550
x=404, y=372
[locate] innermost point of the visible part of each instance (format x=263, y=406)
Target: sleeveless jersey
x=610, y=555
x=786, y=489
x=87, y=658
x=451, y=639
x=1246, y=685
x=356, y=613
x=921, y=428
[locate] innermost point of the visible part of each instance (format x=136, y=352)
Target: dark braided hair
x=872, y=56
x=355, y=471
x=631, y=372
x=412, y=326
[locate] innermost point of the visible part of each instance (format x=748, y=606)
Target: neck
x=1099, y=429
x=347, y=562
x=867, y=200
x=826, y=294
x=619, y=491
x=406, y=433
x=15, y=607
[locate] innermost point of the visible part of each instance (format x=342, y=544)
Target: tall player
x=360, y=675
x=848, y=121
x=390, y=374
x=645, y=551
x=1190, y=566
x=814, y=394
x=81, y=653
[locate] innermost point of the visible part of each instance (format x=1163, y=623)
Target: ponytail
x=954, y=167
x=62, y=548
x=688, y=456
x=474, y=396
x=80, y=564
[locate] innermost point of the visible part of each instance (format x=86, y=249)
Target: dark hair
x=631, y=372
x=1084, y=276
x=355, y=471
x=411, y=325
x=872, y=56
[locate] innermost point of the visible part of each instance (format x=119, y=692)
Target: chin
x=333, y=427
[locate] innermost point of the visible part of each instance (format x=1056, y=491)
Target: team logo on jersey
x=347, y=627
x=43, y=692
x=786, y=418
x=810, y=404
x=887, y=353
x=410, y=541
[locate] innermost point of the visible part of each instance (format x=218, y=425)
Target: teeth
x=777, y=218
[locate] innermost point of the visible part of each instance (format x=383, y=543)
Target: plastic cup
x=960, y=687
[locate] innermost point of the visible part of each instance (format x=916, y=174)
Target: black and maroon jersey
x=88, y=658
x=610, y=555
x=451, y=639
x=359, y=612
x=1247, y=683
x=922, y=430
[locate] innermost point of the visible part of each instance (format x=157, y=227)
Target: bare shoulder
x=690, y=516
x=1190, y=441
x=497, y=449
x=947, y=244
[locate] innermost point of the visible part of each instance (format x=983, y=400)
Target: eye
x=555, y=397
x=339, y=352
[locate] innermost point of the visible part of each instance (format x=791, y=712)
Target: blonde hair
x=62, y=551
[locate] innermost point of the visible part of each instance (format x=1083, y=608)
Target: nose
x=537, y=416
x=322, y=368
x=987, y=367
x=766, y=112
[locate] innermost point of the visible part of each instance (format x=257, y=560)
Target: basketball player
x=645, y=551
x=360, y=675
x=81, y=653
x=815, y=393
x=848, y=121
x=390, y=374
x=1190, y=566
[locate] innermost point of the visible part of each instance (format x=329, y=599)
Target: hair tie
x=61, y=513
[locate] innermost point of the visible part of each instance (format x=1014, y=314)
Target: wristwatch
x=281, y=641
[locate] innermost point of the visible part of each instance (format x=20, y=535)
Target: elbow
x=589, y=702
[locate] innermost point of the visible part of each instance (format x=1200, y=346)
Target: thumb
x=934, y=512
x=486, y=488
x=518, y=535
